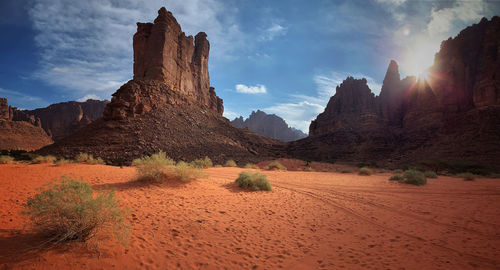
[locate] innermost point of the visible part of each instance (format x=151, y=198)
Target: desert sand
x=311, y=220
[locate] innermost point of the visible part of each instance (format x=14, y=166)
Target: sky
x=283, y=56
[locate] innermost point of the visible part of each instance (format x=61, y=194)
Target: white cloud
x=16, y=99
x=230, y=115
x=392, y=2
x=297, y=115
x=257, y=89
x=86, y=46
x=442, y=20
x=273, y=31
x=87, y=97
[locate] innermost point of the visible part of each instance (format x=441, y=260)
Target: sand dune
x=311, y=220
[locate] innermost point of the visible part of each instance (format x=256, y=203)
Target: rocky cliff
x=269, y=125
x=168, y=105
x=20, y=131
x=454, y=115
x=62, y=119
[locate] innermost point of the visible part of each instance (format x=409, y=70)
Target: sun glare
x=418, y=59
x=424, y=75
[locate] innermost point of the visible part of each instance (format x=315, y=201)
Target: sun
x=418, y=58
x=424, y=75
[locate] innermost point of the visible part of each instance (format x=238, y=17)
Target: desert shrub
x=276, y=165
x=6, y=159
x=346, y=170
x=184, y=172
x=62, y=161
x=256, y=181
x=152, y=167
x=44, y=159
x=230, y=163
x=201, y=163
x=430, y=174
x=456, y=167
x=382, y=171
x=251, y=166
x=467, y=176
x=414, y=177
x=88, y=158
x=365, y=171
x=398, y=171
x=69, y=210
x=396, y=177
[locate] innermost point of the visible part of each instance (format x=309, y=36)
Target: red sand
x=311, y=220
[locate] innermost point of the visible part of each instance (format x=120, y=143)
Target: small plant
x=382, y=171
x=6, y=159
x=44, y=159
x=68, y=211
x=467, y=176
x=230, y=163
x=251, y=166
x=201, y=163
x=365, y=171
x=346, y=170
x=88, y=158
x=430, y=174
x=184, y=172
x=256, y=181
x=152, y=167
x=276, y=165
x=396, y=177
x=414, y=177
x=398, y=171
x=62, y=161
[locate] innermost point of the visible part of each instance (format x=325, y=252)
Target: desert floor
x=311, y=220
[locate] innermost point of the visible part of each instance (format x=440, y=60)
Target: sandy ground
x=311, y=220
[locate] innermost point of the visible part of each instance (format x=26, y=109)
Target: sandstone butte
x=454, y=115
x=169, y=105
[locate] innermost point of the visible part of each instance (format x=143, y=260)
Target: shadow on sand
x=140, y=184
x=234, y=188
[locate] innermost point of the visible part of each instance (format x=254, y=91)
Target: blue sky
x=282, y=57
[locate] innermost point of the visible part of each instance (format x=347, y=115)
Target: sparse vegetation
x=346, y=170
x=430, y=174
x=201, y=163
x=457, y=167
x=230, y=163
x=382, y=171
x=44, y=159
x=255, y=181
x=398, y=171
x=6, y=159
x=362, y=164
x=494, y=175
x=365, y=171
x=88, y=158
x=251, y=166
x=62, y=161
x=414, y=177
x=68, y=211
x=159, y=168
x=467, y=176
x=396, y=177
x=276, y=165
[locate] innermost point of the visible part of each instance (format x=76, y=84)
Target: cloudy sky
x=284, y=56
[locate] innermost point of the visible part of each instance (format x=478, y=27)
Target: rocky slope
x=62, y=119
x=269, y=125
x=20, y=131
x=453, y=116
x=168, y=105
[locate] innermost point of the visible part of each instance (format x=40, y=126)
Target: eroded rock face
x=455, y=115
x=162, y=52
x=269, y=125
x=4, y=109
x=61, y=119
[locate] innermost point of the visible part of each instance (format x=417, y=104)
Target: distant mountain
x=269, y=125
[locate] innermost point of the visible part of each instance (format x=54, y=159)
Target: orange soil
x=311, y=220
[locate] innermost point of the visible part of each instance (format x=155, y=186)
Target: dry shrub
x=414, y=177
x=365, y=171
x=159, y=168
x=396, y=177
x=255, y=181
x=202, y=163
x=6, y=159
x=88, y=158
x=44, y=159
x=467, y=176
x=346, y=170
x=230, y=163
x=251, y=166
x=69, y=210
x=430, y=174
x=276, y=165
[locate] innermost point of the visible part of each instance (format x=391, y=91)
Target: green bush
x=346, y=170
x=201, y=163
x=430, y=174
x=88, y=158
x=276, y=165
x=365, y=171
x=254, y=181
x=6, y=159
x=467, y=176
x=44, y=159
x=414, y=177
x=396, y=177
x=183, y=172
x=230, y=163
x=68, y=210
x=158, y=167
x=251, y=166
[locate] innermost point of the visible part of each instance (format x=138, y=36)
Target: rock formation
x=269, y=125
x=62, y=119
x=455, y=115
x=20, y=131
x=168, y=105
